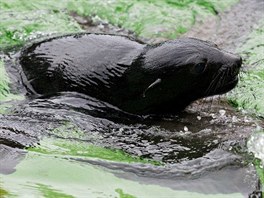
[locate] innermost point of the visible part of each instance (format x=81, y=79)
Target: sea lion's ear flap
x=154, y=84
x=124, y=63
x=129, y=58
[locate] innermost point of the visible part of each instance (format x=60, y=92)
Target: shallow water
x=205, y=142
x=200, y=152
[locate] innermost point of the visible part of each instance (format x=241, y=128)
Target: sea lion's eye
x=199, y=68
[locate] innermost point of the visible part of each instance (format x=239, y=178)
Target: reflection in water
x=10, y=157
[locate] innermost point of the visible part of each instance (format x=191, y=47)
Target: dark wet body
x=133, y=76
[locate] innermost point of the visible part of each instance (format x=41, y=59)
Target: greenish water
x=256, y=146
x=47, y=170
x=48, y=176
x=69, y=145
x=71, y=148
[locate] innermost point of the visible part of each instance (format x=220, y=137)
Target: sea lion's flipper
x=155, y=83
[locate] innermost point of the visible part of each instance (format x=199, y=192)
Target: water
x=200, y=152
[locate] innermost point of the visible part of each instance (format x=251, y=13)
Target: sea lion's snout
x=236, y=63
x=239, y=61
x=227, y=75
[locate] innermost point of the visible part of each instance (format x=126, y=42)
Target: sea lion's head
x=181, y=71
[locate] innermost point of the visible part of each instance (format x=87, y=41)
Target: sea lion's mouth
x=222, y=84
x=229, y=85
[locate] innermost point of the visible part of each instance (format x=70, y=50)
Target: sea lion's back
x=70, y=61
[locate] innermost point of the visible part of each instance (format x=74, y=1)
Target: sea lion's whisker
x=218, y=84
x=216, y=81
x=221, y=81
x=211, y=85
x=225, y=75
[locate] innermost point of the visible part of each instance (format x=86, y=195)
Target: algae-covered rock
x=152, y=18
x=4, y=88
x=250, y=92
x=18, y=27
x=22, y=20
x=5, y=93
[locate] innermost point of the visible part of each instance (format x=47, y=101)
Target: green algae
x=68, y=131
x=151, y=18
x=3, y=193
x=77, y=149
x=4, y=81
x=49, y=192
x=250, y=92
x=255, y=145
x=123, y=195
x=259, y=168
x=5, y=93
x=24, y=20
x=80, y=179
x=18, y=27
x=69, y=140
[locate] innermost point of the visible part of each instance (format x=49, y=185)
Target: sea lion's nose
x=238, y=61
x=236, y=66
x=235, y=60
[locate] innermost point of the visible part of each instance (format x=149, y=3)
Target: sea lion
x=135, y=77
